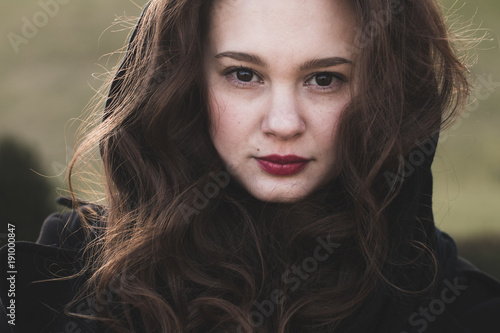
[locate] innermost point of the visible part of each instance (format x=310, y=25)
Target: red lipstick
x=282, y=165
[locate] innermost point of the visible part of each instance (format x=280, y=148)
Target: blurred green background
x=46, y=85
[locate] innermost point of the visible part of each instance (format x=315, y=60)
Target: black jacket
x=467, y=302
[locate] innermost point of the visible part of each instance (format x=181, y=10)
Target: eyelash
x=230, y=72
x=337, y=79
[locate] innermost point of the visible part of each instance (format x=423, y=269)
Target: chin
x=281, y=199
x=279, y=195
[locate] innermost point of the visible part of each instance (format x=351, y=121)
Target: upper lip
x=283, y=159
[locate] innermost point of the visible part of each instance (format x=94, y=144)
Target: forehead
x=279, y=27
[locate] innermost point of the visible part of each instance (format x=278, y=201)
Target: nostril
x=284, y=125
x=284, y=120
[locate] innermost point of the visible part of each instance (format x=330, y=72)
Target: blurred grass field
x=467, y=166
x=48, y=83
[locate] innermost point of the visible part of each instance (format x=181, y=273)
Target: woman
x=267, y=169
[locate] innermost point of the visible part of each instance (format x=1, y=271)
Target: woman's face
x=279, y=76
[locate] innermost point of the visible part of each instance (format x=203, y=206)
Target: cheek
x=217, y=108
x=328, y=117
x=213, y=115
x=326, y=128
x=230, y=116
x=327, y=140
x=225, y=125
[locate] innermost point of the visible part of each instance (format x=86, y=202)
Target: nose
x=283, y=118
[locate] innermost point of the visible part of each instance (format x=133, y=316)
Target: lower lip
x=278, y=169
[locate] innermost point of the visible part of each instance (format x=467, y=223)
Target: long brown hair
x=192, y=251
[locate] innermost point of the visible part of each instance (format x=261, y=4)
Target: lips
x=282, y=165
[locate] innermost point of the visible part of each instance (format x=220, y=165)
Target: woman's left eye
x=326, y=80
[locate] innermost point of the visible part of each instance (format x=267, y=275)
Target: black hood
x=411, y=221
x=118, y=79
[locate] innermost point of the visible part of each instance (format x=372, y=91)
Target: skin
x=279, y=76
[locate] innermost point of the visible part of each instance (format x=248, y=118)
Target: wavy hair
x=188, y=261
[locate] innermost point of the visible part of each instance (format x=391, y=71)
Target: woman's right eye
x=242, y=77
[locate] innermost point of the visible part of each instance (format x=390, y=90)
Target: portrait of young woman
x=267, y=166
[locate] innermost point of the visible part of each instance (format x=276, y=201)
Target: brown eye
x=324, y=79
x=244, y=75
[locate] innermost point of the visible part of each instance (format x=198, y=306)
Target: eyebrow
x=310, y=64
x=241, y=56
x=324, y=62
